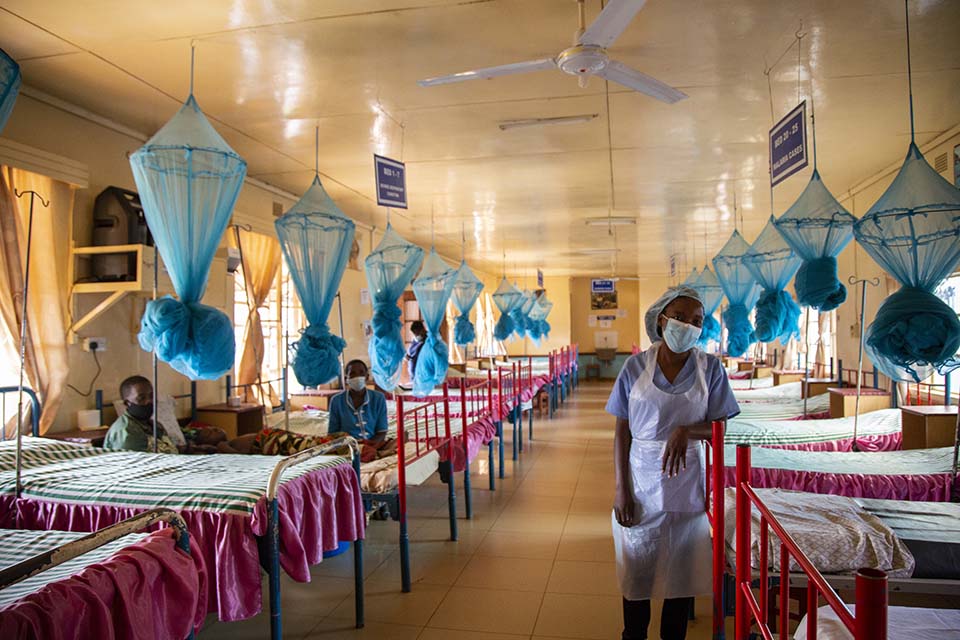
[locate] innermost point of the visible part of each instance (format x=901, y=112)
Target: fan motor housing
x=582, y=60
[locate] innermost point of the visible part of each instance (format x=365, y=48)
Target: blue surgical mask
x=358, y=383
x=680, y=336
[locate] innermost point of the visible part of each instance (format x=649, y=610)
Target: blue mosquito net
x=534, y=316
x=913, y=232
x=9, y=86
x=506, y=297
x=521, y=314
x=543, y=327
x=773, y=263
x=316, y=238
x=817, y=228
x=189, y=180
x=692, y=278
x=390, y=268
x=711, y=293
x=466, y=290
x=433, y=288
x=741, y=290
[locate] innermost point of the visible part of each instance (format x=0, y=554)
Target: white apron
x=668, y=553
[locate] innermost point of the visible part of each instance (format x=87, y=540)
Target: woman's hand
x=625, y=509
x=675, y=454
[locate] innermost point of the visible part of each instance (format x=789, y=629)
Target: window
x=949, y=292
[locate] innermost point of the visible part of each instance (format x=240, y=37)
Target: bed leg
x=513, y=423
x=493, y=481
x=273, y=563
x=452, y=503
x=550, y=396
x=467, y=498
x=358, y=582
x=404, y=555
x=518, y=425
x=531, y=424
x=500, y=445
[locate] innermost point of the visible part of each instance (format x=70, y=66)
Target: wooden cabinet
x=928, y=426
x=91, y=437
x=843, y=402
x=235, y=421
x=783, y=376
x=815, y=386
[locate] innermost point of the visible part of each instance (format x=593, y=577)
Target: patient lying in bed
x=133, y=430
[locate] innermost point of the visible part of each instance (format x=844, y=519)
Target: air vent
x=940, y=163
x=277, y=209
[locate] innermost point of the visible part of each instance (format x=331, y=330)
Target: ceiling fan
x=587, y=57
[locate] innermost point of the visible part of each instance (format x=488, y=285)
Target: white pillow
x=166, y=411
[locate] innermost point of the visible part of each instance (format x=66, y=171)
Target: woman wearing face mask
x=359, y=411
x=664, y=400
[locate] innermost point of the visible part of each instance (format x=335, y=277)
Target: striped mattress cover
x=876, y=431
x=137, y=586
x=918, y=474
x=787, y=409
x=221, y=497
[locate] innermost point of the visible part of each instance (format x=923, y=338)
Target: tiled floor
x=536, y=561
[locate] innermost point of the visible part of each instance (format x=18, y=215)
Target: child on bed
x=133, y=431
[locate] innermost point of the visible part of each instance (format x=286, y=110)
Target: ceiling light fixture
x=612, y=221
x=536, y=122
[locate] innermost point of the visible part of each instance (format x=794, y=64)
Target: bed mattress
x=786, y=409
x=903, y=623
x=876, y=431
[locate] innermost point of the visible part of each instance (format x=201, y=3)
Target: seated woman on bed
x=133, y=431
x=356, y=411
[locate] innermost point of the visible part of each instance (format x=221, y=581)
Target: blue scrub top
x=346, y=418
x=720, y=405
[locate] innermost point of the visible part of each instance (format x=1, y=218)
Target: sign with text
x=788, y=145
x=391, y=179
x=602, y=286
x=539, y=278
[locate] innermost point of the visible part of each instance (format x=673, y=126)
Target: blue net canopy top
x=316, y=238
x=392, y=265
x=913, y=230
x=770, y=259
x=738, y=283
x=710, y=290
x=816, y=225
x=10, y=80
x=507, y=296
x=466, y=289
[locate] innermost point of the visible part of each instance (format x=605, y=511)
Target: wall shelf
x=111, y=292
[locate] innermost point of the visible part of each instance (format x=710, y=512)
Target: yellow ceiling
x=268, y=72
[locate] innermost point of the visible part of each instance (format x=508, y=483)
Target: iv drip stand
x=853, y=281
x=34, y=196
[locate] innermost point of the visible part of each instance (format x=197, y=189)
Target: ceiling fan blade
x=491, y=72
x=611, y=22
x=633, y=79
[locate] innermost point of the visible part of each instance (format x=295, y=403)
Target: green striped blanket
x=61, y=472
x=17, y=546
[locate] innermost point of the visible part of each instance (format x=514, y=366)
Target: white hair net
x=653, y=313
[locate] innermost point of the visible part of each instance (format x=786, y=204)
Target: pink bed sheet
x=145, y=592
x=930, y=488
x=317, y=511
x=886, y=442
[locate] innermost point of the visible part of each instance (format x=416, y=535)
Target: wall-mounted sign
x=673, y=265
x=540, y=278
x=602, y=286
x=391, y=180
x=788, y=145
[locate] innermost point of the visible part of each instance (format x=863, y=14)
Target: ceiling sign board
x=602, y=286
x=539, y=279
x=788, y=145
x=391, y=178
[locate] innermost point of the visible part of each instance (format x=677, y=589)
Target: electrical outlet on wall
x=855, y=330
x=95, y=344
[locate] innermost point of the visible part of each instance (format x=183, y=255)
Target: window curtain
x=261, y=263
x=458, y=353
x=46, y=365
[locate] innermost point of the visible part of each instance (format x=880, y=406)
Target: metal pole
x=875, y=282
x=343, y=374
x=23, y=331
x=156, y=387
x=806, y=362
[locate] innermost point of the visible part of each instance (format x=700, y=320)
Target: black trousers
x=673, y=619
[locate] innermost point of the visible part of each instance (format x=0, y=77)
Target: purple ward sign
x=788, y=145
x=391, y=179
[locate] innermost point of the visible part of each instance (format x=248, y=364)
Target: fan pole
x=853, y=281
x=34, y=196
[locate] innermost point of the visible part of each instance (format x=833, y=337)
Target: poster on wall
x=591, y=321
x=603, y=301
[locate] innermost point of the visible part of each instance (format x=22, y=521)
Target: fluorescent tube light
x=613, y=221
x=536, y=122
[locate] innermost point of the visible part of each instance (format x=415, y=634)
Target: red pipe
x=743, y=568
x=871, y=594
x=719, y=537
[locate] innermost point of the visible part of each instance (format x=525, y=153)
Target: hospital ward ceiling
x=269, y=72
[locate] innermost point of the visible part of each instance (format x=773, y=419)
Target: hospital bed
x=231, y=504
x=113, y=583
x=876, y=431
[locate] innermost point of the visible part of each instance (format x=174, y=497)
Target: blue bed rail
x=34, y=409
x=284, y=389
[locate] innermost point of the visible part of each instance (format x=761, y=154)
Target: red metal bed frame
x=870, y=623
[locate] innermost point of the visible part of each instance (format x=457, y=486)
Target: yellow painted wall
x=558, y=292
